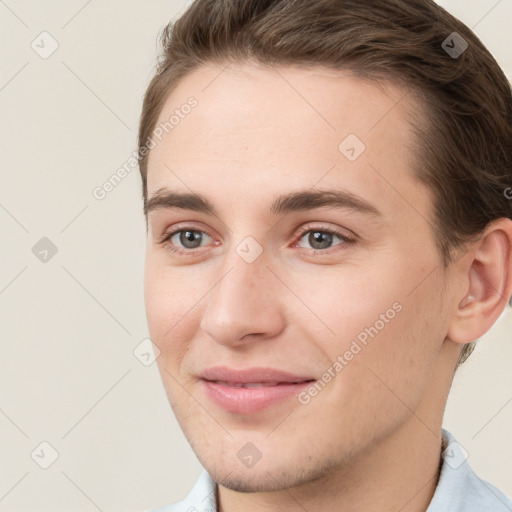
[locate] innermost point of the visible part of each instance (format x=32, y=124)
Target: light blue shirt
x=459, y=488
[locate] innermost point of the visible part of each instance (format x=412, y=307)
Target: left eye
x=321, y=239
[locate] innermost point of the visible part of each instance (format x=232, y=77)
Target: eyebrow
x=303, y=200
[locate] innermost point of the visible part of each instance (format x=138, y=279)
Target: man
x=327, y=193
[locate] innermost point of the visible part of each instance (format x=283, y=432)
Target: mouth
x=253, y=375
x=251, y=385
x=246, y=398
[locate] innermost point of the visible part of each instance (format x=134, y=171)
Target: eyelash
x=306, y=229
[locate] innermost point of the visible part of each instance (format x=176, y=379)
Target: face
x=310, y=253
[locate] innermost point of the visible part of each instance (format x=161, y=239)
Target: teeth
x=258, y=385
x=247, y=384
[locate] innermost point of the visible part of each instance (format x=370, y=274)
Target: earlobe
x=489, y=278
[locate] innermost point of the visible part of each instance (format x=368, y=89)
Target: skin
x=371, y=439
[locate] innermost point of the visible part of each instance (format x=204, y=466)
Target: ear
x=489, y=283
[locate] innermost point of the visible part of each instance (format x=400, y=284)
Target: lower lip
x=250, y=400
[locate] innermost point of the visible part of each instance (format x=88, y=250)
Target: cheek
x=376, y=325
x=168, y=294
x=343, y=303
x=169, y=312
x=400, y=358
x=156, y=302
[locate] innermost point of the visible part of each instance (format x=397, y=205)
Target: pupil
x=189, y=237
x=318, y=237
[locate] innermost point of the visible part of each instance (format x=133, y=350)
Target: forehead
x=287, y=126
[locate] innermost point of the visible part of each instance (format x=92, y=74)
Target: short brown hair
x=464, y=144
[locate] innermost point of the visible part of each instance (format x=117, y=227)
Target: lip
x=219, y=385
x=254, y=375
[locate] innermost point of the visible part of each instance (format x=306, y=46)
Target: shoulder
x=202, y=497
x=460, y=489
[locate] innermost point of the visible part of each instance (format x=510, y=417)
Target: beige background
x=69, y=325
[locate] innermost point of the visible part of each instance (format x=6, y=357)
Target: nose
x=244, y=304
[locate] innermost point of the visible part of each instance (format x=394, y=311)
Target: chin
x=265, y=477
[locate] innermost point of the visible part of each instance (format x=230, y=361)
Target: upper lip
x=250, y=375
